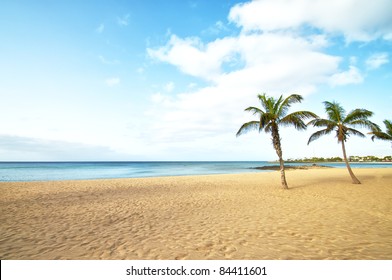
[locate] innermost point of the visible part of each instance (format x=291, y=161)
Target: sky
x=148, y=80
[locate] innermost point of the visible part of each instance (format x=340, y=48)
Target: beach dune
x=237, y=216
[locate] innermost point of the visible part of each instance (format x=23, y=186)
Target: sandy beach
x=240, y=216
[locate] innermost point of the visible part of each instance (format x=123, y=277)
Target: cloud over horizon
x=37, y=149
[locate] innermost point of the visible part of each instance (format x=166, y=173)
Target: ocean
x=50, y=171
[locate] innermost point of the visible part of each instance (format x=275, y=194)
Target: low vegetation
x=338, y=159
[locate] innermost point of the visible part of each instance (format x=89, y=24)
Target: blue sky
x=169, y=80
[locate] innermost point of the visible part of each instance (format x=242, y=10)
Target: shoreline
x=292, y=167
x=232, y=216
x=58, y=171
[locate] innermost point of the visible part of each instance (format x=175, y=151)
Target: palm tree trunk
x=355, y=180
x=278, y=149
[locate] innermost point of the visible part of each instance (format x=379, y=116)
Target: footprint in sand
x=228, y=251
x=181, y=256
x=204, y=247
x=243, y=242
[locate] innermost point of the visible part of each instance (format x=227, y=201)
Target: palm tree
x=273, y=115
x=340, y=123
x=378, y=134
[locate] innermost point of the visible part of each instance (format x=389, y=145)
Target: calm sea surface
x=48, y=171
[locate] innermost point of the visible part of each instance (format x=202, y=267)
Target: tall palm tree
x=378, y=134
x=340, y=123
x=273, y=115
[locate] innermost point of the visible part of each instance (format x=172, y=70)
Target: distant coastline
x=359, y=159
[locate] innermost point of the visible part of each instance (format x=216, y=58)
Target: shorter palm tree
x=378, y=134
x=340, y=123
x=273, y=115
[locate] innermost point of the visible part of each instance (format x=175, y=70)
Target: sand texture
x=245, y=216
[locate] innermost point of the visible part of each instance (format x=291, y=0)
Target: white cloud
x=140, y=70
x=157, y=97
x=215, y=29
x=207, y=61
x=112, y=81
x=107, y=61
x=21, y=148
x=192, y=85
x=193, y=57
x=169, y=87
x=351, y=76
x=377, y=60
x=100, y=28
x=264, y=59
x=360, y=20
x=124, y=20
x=160, y=99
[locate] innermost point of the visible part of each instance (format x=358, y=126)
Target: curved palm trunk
x=355, y=180
x=278, y=149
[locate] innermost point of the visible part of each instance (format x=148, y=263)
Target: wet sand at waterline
x=240, y=216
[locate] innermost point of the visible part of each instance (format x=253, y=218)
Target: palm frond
x=305, y=115
x=254, y=110
x=354, y=132
x=365, y=124
x=294, y=121
x=264, y=101
x=246, y=127
x=277, y=104
x=284, y=107
x=388, y=125
x=322, y=123
x=380, y=135
x=291, y=99
x=334, y=111
x=297, y=119
x=318, y=134
x=270, y=105
x=356, y=115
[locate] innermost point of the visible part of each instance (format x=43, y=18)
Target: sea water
x=48, y=171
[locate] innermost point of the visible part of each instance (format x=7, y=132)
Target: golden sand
x=246, y=216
